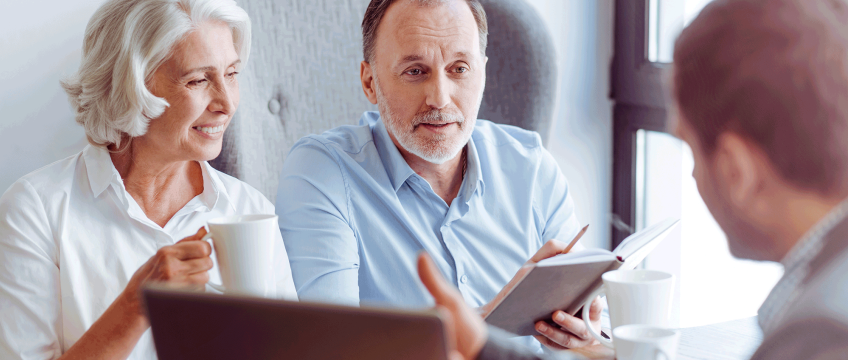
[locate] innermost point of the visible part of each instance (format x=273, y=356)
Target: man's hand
x=571, y=331
x=466, y=330
x=550, y=249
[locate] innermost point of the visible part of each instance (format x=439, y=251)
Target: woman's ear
x=366, y=75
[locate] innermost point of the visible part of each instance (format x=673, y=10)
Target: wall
x=41, y=45
x=582, y=135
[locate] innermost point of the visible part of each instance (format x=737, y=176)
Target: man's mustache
x=437, y=117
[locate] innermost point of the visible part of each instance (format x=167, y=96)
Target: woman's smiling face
x=199, y=83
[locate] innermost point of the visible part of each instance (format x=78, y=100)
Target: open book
x=564, y=282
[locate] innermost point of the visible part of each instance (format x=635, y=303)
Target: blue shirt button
x=463, y=279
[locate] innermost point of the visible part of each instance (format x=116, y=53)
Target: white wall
x=41, y=43
x=582, y=133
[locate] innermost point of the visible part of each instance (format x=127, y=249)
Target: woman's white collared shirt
x=71, y=238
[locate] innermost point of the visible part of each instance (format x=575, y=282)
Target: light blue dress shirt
x=354, y=215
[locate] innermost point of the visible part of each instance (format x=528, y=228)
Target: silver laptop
x=189, y=325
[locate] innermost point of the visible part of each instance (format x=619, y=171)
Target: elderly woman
x=156, y=90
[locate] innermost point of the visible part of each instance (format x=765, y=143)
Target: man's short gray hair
x=125, y=42
x=377, y=9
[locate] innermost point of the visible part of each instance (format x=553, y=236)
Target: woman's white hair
x=125, y=42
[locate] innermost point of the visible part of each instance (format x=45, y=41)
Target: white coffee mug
x=634, y=297
x=645, y=342
x=244, y=248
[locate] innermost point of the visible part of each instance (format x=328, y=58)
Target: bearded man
x=358, y=203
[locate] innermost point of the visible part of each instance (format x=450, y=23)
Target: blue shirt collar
x=399, y=171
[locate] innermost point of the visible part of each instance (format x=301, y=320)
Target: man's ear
x=742, y=169
x=366, y=75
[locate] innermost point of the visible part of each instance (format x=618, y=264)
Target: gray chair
x=303, y=78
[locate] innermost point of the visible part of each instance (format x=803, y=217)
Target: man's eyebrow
x=411, y=58
x=208, y=68
x=462, y=55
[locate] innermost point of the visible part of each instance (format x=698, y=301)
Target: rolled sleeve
x=313, y=209
x=30, y=304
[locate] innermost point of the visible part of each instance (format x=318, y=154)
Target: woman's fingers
x=185, y=250
x=198, y=265
x=197, y=236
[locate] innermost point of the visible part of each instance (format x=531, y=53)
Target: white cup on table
x=645, y=342
x=634, y=297
x=244, y=248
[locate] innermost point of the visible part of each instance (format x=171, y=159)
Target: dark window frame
x=637, y=90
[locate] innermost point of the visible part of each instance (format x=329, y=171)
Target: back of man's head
x=774, y=72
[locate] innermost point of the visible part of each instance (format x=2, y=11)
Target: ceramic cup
x=244, y=248
x=645, y=342
x=634, y=297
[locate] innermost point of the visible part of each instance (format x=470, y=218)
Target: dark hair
x=377, y=8
x=776, y=73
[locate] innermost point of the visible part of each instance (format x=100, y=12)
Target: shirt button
x=463, y=279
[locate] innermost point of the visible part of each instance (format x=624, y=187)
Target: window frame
x=640, y=104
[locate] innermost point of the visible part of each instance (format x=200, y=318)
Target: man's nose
x=438, y=93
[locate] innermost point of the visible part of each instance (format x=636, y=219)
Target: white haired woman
x=155, y=91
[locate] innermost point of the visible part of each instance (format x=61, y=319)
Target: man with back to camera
x=357, y=203
x=760, y=89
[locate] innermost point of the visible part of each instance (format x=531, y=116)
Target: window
x=652, y=174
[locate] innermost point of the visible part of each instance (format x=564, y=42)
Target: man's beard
x=437, y=148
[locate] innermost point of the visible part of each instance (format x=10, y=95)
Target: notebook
x=564, y=282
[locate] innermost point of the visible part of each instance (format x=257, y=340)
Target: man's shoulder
x=350, y=139
x=500, y=135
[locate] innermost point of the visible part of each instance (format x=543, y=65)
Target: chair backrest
x=303, y=78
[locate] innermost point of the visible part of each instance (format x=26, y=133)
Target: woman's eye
x=196, y=82
x=232, y=74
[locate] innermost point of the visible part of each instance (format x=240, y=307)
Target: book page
x=579, y=257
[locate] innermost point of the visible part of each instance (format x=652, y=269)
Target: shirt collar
x=214, y=193
x=397, y=168
x=102, y=173
x=809, y=245
x=473, y=171
x=796, y=266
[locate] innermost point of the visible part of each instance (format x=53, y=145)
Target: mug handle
x=208, y=237
x=586, y=306
x=658, y=352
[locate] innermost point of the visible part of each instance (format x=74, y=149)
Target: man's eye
x=461, y=69
x=414, y=72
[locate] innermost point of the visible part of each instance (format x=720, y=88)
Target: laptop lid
x=189, y=325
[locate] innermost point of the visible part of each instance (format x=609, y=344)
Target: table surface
x=732, y=340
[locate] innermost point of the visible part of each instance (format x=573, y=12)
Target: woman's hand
x=184, y=264
x=116, y=332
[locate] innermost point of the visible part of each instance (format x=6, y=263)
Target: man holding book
x=761, y=92
x=358, y=203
